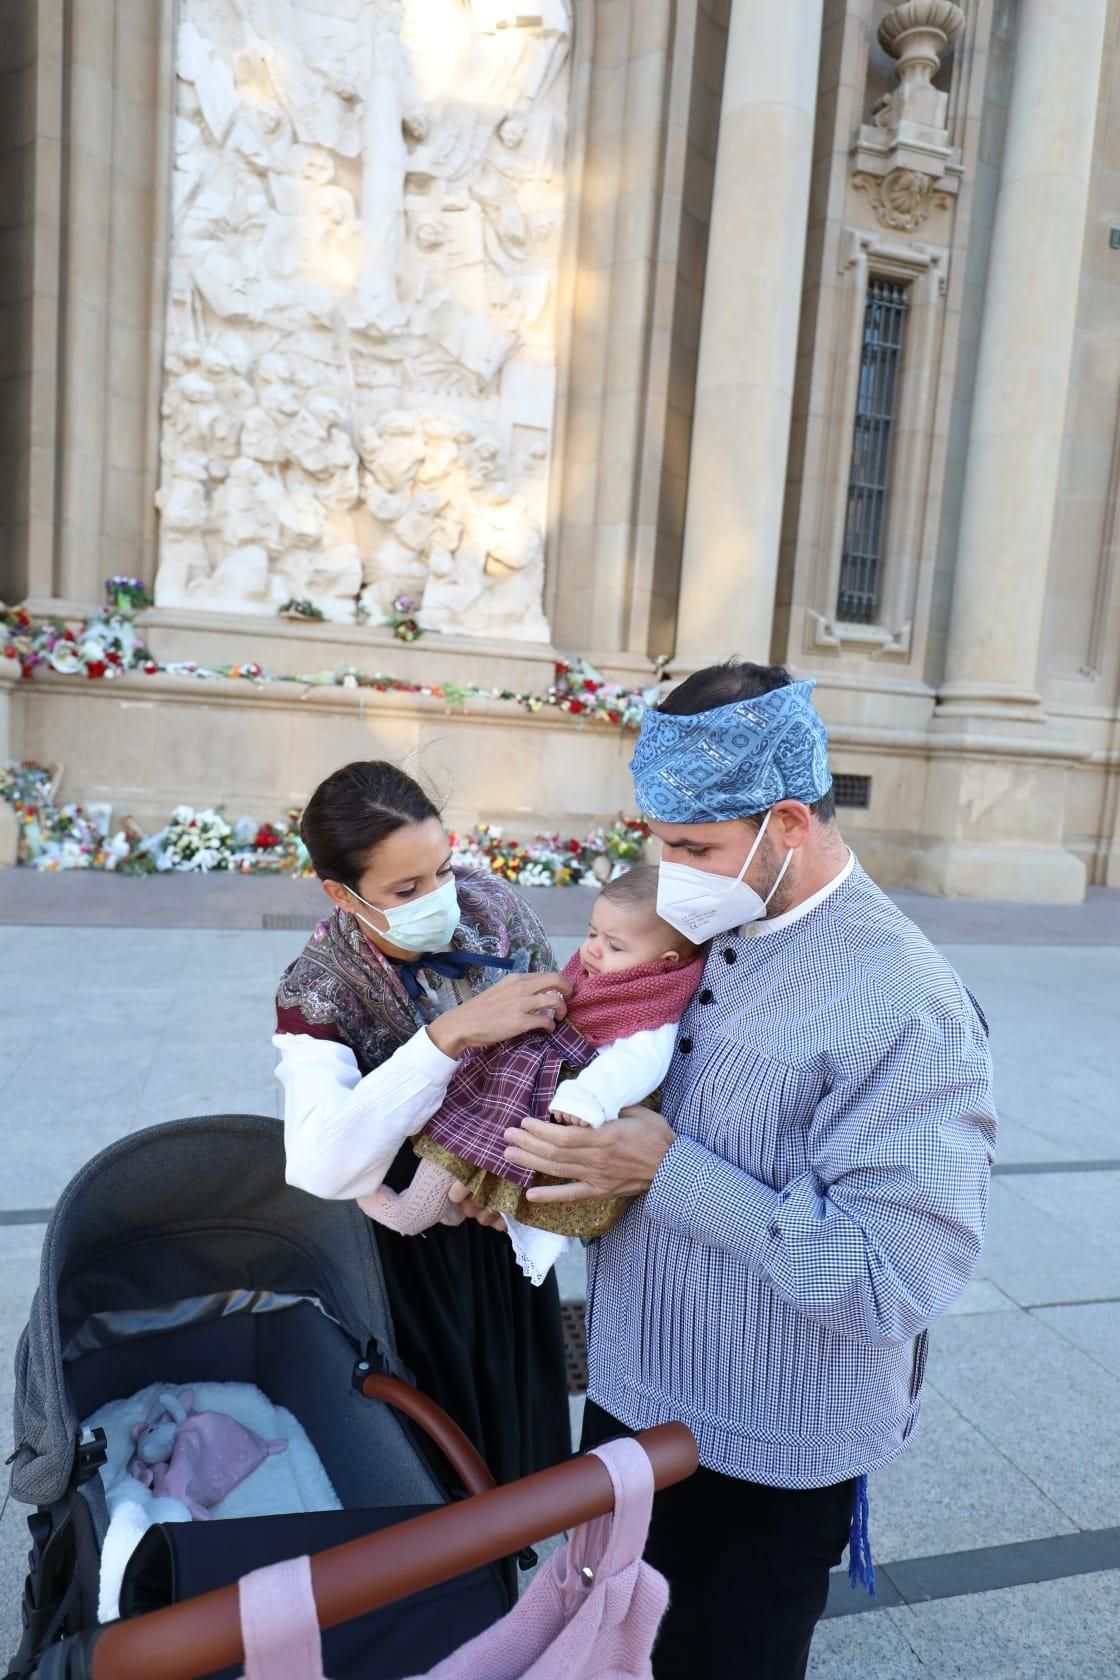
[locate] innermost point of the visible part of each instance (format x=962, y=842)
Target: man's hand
x=618, y=1159
x=470, y=1209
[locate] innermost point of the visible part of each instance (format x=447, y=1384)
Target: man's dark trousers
x=747, y=1568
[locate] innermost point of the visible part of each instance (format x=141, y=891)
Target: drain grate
x=276, y=921
x=575, y=1345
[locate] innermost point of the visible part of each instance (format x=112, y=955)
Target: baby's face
x=623, y=936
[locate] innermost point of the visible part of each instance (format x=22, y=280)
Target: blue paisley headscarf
x=733, y=761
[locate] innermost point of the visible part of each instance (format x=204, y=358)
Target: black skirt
x=479, y=1338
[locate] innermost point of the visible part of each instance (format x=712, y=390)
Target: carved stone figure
x=367, y=214
x=903, y=157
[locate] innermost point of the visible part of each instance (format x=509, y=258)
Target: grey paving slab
x=1083, y=1203
x=112, y=1026
x=1056, y=1630
x=177, y=1022
x=1051, y=1048
x=953, y=1489
x=1094, y=1329
x=1048, y=1407
x=981, y=1295
x=867, y=1647
x=91, y=899
x=1029, y=1256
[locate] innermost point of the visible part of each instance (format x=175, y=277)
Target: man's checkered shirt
x=825, y=1200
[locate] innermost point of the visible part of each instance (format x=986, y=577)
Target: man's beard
x=786, y=890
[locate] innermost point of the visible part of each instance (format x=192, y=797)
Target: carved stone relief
x=903, y=159
x=359, y=376
x=903, y=199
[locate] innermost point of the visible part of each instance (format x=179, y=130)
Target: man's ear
x=670, y=956
x=793, y=821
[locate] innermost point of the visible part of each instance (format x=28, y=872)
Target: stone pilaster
x=748, y=335
x=98, y=191
x=997, y=785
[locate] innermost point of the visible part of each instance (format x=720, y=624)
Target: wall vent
x=852, y=793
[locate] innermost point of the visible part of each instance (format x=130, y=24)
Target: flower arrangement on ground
x=193, y=840
x=54, y=837
x=550, y=861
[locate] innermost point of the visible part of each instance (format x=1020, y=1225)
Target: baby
x=632, y=979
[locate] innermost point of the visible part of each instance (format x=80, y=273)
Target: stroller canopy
x=189, y=1218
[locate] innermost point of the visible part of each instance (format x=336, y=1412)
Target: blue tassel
x=861, y=1566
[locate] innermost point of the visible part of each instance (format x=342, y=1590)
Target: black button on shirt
x=684, y=1046
x=706, y=995
x=730, y=956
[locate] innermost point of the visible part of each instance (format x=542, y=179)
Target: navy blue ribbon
x=450, y=964
x=861, y=1566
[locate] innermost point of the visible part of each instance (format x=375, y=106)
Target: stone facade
x=554, y=316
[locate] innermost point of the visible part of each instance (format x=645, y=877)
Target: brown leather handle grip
x=191, y=1640
x=459, y=1451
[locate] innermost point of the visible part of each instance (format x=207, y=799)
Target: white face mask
x=701, y=905
x=423, y=924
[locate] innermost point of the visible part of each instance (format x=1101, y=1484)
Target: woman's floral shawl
x=342, y=988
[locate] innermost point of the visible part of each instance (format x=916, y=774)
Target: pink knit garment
x=606, y=1007
x=570, y=1625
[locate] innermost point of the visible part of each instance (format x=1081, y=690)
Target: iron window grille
x=861, y=561
x=853, y=793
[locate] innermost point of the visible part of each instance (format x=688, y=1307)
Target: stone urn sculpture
x=918, y=34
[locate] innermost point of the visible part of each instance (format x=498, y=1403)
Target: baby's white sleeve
x=625, y=1072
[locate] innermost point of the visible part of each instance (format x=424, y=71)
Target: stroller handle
x=191, y=1640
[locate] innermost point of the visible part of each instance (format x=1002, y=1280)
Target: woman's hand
x=620, y=1158
x=515, y=1005
x=461, y=1197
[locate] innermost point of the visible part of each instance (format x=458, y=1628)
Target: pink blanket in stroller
x=592, y=1612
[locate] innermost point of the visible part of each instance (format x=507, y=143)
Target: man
x=812, y=1196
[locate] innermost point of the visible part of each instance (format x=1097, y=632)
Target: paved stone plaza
x=997, y=1534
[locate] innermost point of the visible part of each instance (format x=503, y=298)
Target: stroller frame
x=179, y=1254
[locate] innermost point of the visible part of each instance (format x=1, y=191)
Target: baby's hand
x=568, y=1120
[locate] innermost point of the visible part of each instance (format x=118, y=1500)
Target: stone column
x=996, y=794
x=1026, y=347
x=748, y=332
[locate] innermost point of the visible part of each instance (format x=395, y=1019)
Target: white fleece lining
x=291, y=1481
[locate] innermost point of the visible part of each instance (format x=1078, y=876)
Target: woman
x=418, y=963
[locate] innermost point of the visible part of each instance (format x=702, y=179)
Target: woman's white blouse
x=342, y=1131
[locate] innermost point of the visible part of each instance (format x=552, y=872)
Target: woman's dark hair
x=353, y=811
x=722, y=685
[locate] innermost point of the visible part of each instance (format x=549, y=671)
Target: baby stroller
x=180, y=1256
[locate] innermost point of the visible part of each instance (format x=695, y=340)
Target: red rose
x=96, y=668
x=575, y=706
x=575, y=845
